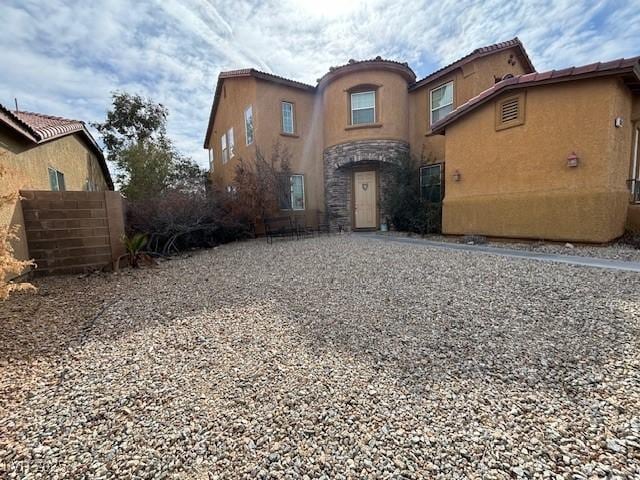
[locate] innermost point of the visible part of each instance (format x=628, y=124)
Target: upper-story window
x=248, y=124
x=226, y=144
x=288, y=125
x=363, y=108
x=56, y=180
x=223, y=148
x=441, y=102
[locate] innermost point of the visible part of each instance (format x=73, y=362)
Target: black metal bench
x=280, y=227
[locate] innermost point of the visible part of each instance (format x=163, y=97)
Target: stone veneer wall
x=339, y=161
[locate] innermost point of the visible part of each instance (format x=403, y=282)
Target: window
x=510, y=112
x=225, y=152
x=230, y=142
x=431, y=183
x=292, y=193
x=211, y=158
x=248, y=124
x=634, y=182
x=363, y=108
x=287, y=118
x=441, y=102
x=56, y=180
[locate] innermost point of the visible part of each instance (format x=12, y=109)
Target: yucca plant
x=134, y=246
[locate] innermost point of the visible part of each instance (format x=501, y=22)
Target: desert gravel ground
x=331, y=358
x=613, y=251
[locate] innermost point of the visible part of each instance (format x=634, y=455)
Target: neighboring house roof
x=477, y=53
x=622, y=67
x=39, y=128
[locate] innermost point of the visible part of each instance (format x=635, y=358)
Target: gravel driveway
x=328, y=358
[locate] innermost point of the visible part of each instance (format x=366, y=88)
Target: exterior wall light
x=456, y=176
x=572, y=160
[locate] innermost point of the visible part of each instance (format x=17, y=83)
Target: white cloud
x=63, y=57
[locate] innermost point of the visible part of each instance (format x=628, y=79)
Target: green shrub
x=409, y=212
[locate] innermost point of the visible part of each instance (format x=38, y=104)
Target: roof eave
x=515, y=43
x=440, y=129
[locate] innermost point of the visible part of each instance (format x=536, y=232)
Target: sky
x=65, y=57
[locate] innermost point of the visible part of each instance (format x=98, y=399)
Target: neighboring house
x=41, y=152
x=345, y=131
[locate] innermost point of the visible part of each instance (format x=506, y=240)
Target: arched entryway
x=356, y=175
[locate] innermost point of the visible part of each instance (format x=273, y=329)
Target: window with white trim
x=634, y=181
x=288, y=125
x=441, y=102
x=56, y=180
x=223, y=146
x=248, y=124
x=211, y=158
x=292, y=194
x=363, y=108
x=230, y=142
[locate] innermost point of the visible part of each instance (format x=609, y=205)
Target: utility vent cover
x=510, y=110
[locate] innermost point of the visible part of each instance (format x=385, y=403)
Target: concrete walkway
x=621, y=265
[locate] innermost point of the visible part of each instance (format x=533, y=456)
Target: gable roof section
x=39, y=128
x=477, y=53
x=407, y=71
x=248, y=72
x=622, y=67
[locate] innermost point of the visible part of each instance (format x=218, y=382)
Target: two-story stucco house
x=512, y=177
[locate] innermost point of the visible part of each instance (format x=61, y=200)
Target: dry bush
x=176, y=221
x=8, y=263
x=258, y=185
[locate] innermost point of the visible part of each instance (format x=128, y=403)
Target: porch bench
x=280, y=227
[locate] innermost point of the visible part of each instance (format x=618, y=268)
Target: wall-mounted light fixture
x=456, y=176
x=618, y=122
x=572, y=160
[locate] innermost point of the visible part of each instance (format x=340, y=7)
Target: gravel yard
x=613, y=251
x=332, y=358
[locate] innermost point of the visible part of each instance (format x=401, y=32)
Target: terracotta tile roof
x=621, y=67
x=252, y=72
x=477, y=53
x=40, y=128
x=410, y=74
x=46, y=127
x=403, y=67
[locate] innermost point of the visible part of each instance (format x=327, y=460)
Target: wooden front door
x=365, y=197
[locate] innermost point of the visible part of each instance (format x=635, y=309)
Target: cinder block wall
x=73, y=232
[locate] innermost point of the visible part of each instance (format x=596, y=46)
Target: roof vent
x=351, y=61
x=378, y=58
x=509, y=110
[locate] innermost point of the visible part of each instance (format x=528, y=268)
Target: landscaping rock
x=340, y=357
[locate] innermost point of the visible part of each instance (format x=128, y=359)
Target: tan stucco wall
x=304, y=147
x=26, y=165
x=392, y=103
x=469, y=81
x=237, y=95
x=516, y=182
